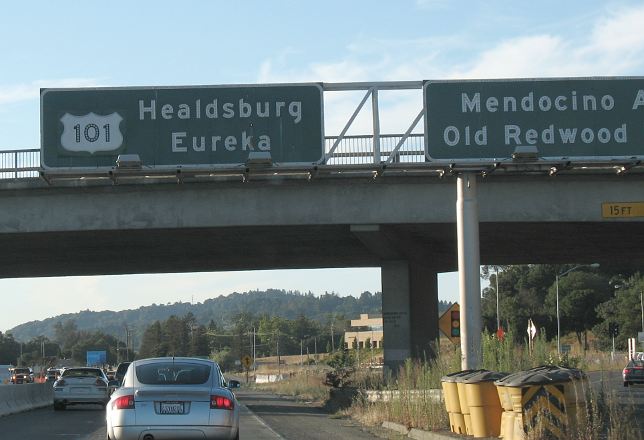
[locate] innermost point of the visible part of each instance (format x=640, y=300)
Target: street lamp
x=561, y=275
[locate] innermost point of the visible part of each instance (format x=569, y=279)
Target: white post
x=498, y=319
x=558, y=328
x=467, y=225
x=376, y=126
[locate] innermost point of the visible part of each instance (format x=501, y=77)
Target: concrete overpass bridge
x=388, y=208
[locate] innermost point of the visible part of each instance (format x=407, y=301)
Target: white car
x=80, y=385
x=173, y=398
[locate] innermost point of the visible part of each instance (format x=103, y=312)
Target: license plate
x=171, y=408
x=80, y=390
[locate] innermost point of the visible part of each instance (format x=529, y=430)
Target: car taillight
x=100, y=382
x=124, y=402
x=219, y=402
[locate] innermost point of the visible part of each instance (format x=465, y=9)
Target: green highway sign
x=198, y=126
x=573, y=118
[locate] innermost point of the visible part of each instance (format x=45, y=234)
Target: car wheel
x=625, y=383
x=59, y=406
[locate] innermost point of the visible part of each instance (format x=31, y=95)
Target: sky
x=169, y=43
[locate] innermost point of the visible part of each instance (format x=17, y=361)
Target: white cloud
x=14, y=93
x=614, y=45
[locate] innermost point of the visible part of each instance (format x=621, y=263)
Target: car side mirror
x=114, y=384
x=234, y=383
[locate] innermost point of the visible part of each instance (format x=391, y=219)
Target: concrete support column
x=424, y=313
x=408, y=332
x=395, y=313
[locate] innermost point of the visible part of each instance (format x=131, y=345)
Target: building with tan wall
x=366, y=332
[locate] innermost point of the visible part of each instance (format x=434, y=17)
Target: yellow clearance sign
x=622, y=209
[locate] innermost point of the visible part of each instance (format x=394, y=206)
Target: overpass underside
x=116, y=252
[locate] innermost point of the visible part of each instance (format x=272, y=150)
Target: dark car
x=52, y=374
x=120, y=371
x=633, y=372
x=21, y=375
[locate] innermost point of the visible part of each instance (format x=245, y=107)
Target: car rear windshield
x=173, y=373
x=82, y=372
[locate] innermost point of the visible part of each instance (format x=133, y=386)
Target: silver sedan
x=173, y=398
x=80, y=385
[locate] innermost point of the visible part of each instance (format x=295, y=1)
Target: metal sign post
x=467, y=223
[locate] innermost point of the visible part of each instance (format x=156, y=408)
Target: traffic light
x=455, y=328
x=613, y=329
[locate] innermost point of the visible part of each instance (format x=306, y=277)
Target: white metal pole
x=279, y=367
x=558, y=328
x=496, y=277
x=467, y=225
x=376, y=125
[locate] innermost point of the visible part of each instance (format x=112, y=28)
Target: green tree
x=9, y=349
x=176, y=336
x=623, y=309
x=66, y=335
x=580, y=293
x=152, y=344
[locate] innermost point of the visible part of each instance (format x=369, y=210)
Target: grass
x=599, y=414
x=304, y=386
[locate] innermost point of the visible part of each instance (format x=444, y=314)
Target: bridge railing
x=359, y=150
x=351, y=150
x=19, y=164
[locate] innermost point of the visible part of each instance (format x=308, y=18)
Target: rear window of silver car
x=173, y=373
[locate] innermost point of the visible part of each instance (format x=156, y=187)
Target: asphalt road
x=627, y=399
x=263, y=417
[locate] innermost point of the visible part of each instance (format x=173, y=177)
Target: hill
x=274, y=302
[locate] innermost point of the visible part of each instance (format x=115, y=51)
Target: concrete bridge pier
x=409, y=332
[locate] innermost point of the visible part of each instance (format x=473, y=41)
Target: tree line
x=283, y=303
x=590, y=300
x=244, y=333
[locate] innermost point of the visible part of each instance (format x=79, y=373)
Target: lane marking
x=261, y=422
